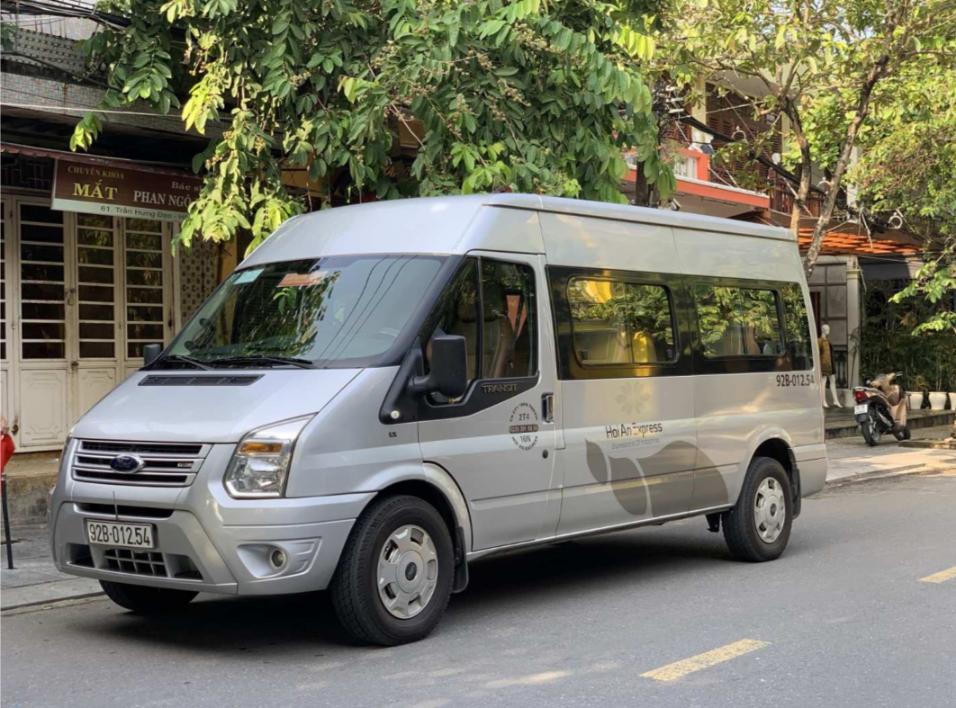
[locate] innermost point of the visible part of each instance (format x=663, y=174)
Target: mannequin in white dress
x=826, y=367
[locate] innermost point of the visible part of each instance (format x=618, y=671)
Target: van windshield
x=315, y=312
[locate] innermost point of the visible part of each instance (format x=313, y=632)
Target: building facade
x=83, y=290
x=88, y=272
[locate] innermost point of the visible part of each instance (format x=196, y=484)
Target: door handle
x=547, y=407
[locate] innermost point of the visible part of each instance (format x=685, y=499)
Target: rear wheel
x=395, y=575
x=145, y=600
x=758, y=527
x=871, y=429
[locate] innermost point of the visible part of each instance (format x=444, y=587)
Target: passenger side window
x=509, y=324
x=737, y=321
x=504, y=306
x=457, y=313
x=620, y=323
x=796, y=327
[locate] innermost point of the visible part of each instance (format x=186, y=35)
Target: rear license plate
x=110, y=533
x=861, y=409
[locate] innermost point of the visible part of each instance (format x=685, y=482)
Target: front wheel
x=758, y=527
x=871, y=429
x=146, y=600
x=903, y=434
x=395, y=575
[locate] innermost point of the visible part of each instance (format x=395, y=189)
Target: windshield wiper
x=263, y=359
x=180, y=358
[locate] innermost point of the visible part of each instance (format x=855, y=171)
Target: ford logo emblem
x=127, y=463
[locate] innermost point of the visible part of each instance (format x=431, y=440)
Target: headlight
x=260, y=465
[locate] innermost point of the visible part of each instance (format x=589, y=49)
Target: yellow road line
x=940, y=577
x=679, y=669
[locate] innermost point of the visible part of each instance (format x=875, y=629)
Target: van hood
x=208, y=406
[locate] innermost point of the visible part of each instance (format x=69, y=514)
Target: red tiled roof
x=851, y=240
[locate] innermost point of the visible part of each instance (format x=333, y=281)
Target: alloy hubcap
x=770, y=510
x=407, y=571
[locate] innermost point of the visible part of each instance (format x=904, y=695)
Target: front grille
x=126, y=560
x=142, y=512
x=164, y=464
x=153, y=564
x=124, y=447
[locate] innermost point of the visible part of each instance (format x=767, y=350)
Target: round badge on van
x=127, y=463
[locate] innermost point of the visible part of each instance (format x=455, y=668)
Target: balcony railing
x=782, y=197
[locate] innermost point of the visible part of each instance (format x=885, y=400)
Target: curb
x=48, y=592
x=903, y=471
x=945, y=444
x=849, y=428
x=50, y=601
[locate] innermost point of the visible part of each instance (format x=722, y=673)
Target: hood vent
x=197, y=380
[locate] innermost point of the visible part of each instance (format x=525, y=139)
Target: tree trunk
x=642, y=188
x=806, y=169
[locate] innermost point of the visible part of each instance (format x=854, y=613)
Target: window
x=737, y=321
x=333, y=311
x=508, y=330
x=457, y=314
x=796, y=327
x=504, y=346
x=620, y=323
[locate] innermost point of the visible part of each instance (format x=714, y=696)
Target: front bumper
x=205, y=540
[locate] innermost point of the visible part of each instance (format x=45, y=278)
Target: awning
x=161, y=168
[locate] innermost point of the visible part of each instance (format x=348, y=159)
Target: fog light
x=277, y=558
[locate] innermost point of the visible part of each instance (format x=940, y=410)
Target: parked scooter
x=881, y=408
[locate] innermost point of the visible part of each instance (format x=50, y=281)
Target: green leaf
x=281, y=23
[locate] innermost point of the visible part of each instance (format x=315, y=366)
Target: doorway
x=82, y=294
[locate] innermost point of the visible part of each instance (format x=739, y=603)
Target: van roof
x=625, y=212
x=439, y=224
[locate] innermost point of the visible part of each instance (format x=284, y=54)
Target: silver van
x=380, y=394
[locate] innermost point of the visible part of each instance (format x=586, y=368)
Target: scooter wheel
x=870, y=429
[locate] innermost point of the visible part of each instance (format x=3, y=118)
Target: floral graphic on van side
x=659, y=484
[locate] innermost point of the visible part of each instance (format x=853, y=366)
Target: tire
x=870, y=429
x=146, y=600
x=390, y=539
x=745, y=540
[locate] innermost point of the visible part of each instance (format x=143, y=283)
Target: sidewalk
x=851, y=457
x=34, y=580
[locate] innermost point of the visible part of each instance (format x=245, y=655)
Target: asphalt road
x=842, y=619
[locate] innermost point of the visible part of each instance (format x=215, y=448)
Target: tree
x=817, y=64
x=907, y=172
x=528, y=96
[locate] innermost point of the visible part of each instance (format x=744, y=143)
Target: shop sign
x=122, y=191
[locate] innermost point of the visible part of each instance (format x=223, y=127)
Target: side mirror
x=151, y=353
x=449, y=368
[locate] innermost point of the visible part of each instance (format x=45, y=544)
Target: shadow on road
x=631, y=557
x=538, y=576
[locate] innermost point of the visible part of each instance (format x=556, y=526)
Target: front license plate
x=110, y=533
x=860, y=409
